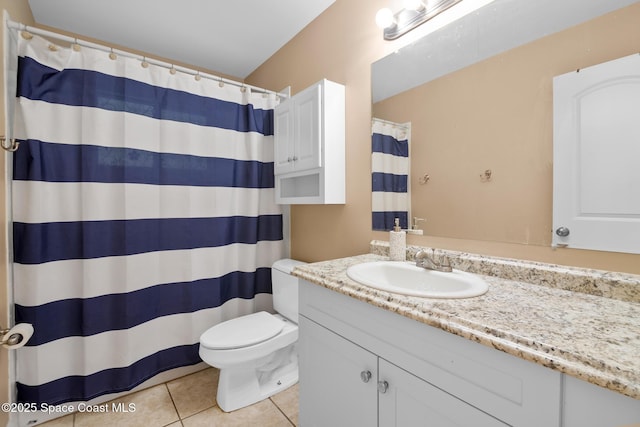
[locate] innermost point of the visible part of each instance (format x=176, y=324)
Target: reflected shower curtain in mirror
x=143, y=214
x=390, y=174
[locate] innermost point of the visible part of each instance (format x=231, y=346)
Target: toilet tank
x=285, y=288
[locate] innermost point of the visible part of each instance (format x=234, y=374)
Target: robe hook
x=13, y=144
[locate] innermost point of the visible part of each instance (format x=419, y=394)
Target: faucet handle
x=445, y=263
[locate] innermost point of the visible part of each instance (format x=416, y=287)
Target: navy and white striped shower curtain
x=390, y=174
x=143, y=214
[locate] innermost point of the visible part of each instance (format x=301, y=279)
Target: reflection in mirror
x=390, y=174
x=485, y=103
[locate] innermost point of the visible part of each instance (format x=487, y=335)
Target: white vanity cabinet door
x=409, y=401
x=330, y=374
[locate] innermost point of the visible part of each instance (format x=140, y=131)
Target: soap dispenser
x=397, y=243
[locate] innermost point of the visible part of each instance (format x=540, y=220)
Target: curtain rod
x=394, y=124
x=143, y=59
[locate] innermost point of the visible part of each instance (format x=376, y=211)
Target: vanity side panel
x=515, y=391
x=587, y=405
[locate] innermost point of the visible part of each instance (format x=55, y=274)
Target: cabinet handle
x=365, y=376
x=295, y=158
x=289, y=159
x=383, y=386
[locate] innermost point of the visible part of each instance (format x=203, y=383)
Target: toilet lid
x=242, y=331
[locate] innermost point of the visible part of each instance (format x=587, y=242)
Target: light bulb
x=412, y=4
x=384, y=18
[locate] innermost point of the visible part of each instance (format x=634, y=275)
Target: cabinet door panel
x=284, y=138
x=409, y=401
x=332, y=392
x=307, y=129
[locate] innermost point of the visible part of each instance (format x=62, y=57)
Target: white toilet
x=257, y=354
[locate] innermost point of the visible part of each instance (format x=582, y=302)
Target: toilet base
x=246, y=384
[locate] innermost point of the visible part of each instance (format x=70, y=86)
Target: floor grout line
x=282, y=412
x=166, y=385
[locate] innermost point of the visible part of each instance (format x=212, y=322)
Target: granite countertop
x=594, y=338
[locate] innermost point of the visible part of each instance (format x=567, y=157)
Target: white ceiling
x=232, y=37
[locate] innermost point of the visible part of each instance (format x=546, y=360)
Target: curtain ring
x=76, y=46
x=112, y=55
x=13, y=144
x=172, y=70
x=144, y=62
x=220, y=82
x=198, y=76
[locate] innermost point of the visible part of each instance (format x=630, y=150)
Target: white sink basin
x=408, y=279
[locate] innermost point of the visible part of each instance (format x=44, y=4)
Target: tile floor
x=188, y=402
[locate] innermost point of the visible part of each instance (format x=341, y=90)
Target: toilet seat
x=242, y=331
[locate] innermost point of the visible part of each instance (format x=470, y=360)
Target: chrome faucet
x=429, y=262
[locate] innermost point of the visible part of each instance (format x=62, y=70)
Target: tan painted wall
x=511, y=215
x=19, y=11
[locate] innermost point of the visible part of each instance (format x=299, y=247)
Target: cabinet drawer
x=513, y=390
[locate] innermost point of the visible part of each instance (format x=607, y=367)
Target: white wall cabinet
x=433, y=377
x=309, y=146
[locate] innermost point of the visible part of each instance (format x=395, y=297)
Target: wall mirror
x=479, y=96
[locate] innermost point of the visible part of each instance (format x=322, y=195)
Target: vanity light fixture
x=413, y=14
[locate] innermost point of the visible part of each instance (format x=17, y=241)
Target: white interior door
x=596, y=172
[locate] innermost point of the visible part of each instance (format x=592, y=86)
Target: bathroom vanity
x=523, y=354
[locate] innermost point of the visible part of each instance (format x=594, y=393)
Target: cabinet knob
x=289, y=159
x=365, y=376
x=383, y=386
x=295, y=158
